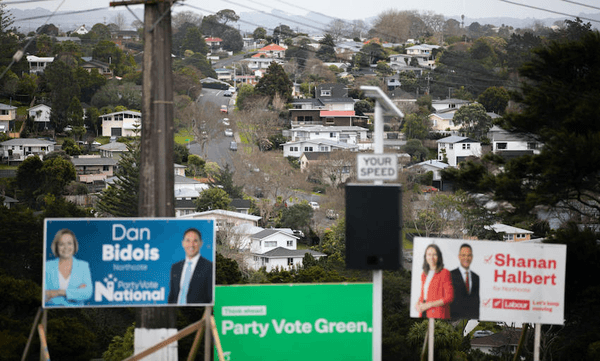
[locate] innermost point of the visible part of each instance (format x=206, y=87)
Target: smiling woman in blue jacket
x=68, y=280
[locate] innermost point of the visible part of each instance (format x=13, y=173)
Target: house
x=102, y=67
x=225, y=219
x=510, y=233
x=272, y=51
x=8, y=201
x=442, y=122
x=190, y=184
x=343, y=134
x=179, y=169
x=346, y=50
x=296, y=149
x=272, y=248
x=423, y=53
x=81, y=30
x=19, y=148
x=457, y=149
x=92, y=168
x=333, y=168
x=510, y=145
x=260, y=63
x=38, y=64
x=4, y=126
x=185, y=201
x=433, y=166
x=121, y=124
x=224, y=74
x=241, y=205
x=8, y=113
x=283, y=258
x=449, y=104
x=113, y=150
x=40, y=114
x=495, y=344
x=213, y=43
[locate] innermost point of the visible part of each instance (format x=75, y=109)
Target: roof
x=451, y=101
x=336, y=100
x=269, y=232
x=431, y=163
x=6, y=106
x=39, y=106
x=456, y=139
x=179, y=179
x=503, y=228
x=93, y=161
x=329, y=128
x=27, y=141
x=273, y=47
x=320, y=141
x=337, y=113
x=213, y=40
x=223, y=212
x=502, y=338
x=124, y=112
x=186, y=193
x=114, y=147
x=241, y=203
x=284, y=253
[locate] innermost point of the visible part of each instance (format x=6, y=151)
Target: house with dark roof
x=93, y=168
x=102, y=67
x=503, y=341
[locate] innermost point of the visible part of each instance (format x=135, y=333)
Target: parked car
x=224, y=108
x=225, y=121
x=298, y=233
x=331, y=214
x=226, y=93
x=228, y=132
x=482, y=333
x=314, y=205
x=233, y=146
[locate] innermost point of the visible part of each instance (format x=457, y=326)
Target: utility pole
x=154, y=324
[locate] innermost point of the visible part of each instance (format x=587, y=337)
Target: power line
x=586, y=5
x=549, y=11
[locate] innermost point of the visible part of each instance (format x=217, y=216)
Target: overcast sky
x=354, y=9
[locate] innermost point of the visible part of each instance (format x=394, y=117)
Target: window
x=451, y=146
x=308, y=149
x=345, y=170
x=325, y=93
x=332, y=135
x=308, y=118
x=270, y=243
x=466, y=146
x=323, y=148
x=532, y=145
x=105, y=168
x=300, y=118
x=290, y=243
x=500, y=145
x=290, y=261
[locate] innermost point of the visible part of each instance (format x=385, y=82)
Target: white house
x=260, y=63
x=191, y=184
x=225, y=219
x=423, y=53
x=40, y=114
x=93, y=168
x=449, y=104
x=431, y=166
x=81, y=30
x=19, y=148
x=507, y=143
x=121, y=124
x=283, y=258
x=38, y=64
x=296, y=149
x=343, y=134
x=456, y=149
x=510, y=233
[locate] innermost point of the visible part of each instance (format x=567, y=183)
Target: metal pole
x=536, y=342
x=377, y=274
x=431, y=326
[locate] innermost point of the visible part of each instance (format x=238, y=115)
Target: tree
x=212, y=198
x=297, y=216
x=60, y=81
x=224, y=180
x=194, y=41
x=558, y=105
x=494, y=99
x=416, y=149
x=121, y=199
x=259, y=33
x=416, y=126
x=75, y=113
x=275, y=82
x=326, y=50
x=182, y=17
x=283, y=32
x=474, y=120
x=232, y=40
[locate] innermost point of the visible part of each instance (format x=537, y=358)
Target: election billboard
x=128, y=262
x=488, y=280
x=295, y=321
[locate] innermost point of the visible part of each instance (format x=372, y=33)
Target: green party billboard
x=295, y=321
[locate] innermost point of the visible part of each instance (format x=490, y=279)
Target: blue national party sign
x=128, y=262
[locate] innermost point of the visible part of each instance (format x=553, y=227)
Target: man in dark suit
x=466, y=287
x=192, y=278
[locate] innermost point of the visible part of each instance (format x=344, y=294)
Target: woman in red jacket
x=436, y=285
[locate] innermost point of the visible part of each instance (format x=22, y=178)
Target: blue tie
x=186, y=284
